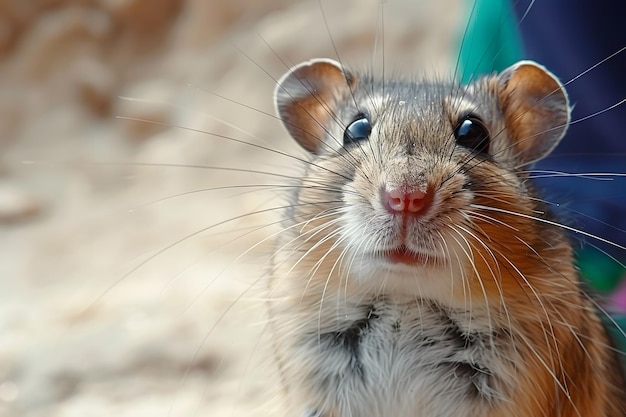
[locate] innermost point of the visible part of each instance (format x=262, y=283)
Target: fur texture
x=484, y=314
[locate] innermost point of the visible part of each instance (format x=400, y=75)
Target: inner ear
x=306, y=99
x=535, y=107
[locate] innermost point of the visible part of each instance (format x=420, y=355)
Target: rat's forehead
x=399, y=95
x=435, y=105
x=399, y=106
x=464, y=100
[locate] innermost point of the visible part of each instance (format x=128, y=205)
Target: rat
x=418, y=272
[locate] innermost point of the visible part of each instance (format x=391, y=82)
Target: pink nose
x=400, y=201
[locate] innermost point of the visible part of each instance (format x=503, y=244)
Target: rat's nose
x=398, y=201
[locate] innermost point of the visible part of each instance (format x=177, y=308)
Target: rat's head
x=421, y=184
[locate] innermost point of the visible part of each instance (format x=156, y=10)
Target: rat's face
x=414, y=181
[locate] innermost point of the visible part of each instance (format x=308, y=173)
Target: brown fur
x=517, y=265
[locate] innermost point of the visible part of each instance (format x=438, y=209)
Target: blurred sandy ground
x=83, y=331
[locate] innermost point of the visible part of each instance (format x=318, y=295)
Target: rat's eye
x=471, y=133
x=359, y=129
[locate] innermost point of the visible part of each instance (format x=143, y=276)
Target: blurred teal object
x=601, y=271
x=491, y=41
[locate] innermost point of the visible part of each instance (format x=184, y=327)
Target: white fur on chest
x=409, y=359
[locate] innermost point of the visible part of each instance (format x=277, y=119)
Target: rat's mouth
x=403, y=255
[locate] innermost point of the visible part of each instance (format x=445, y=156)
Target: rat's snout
x=406, y=201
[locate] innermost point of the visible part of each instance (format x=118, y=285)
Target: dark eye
x=471, y=133
x=359, y=129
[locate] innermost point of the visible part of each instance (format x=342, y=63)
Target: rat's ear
x=306, y=99
x=535, y=108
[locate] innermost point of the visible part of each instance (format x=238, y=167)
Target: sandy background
x=111, y=301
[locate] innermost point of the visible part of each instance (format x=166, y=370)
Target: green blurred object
x=601, y=271
x=604, y=274
x=491, y=41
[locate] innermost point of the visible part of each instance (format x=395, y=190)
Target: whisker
x=550, y=222
x=232, y=139
x=599, y=112
x=181, y=240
